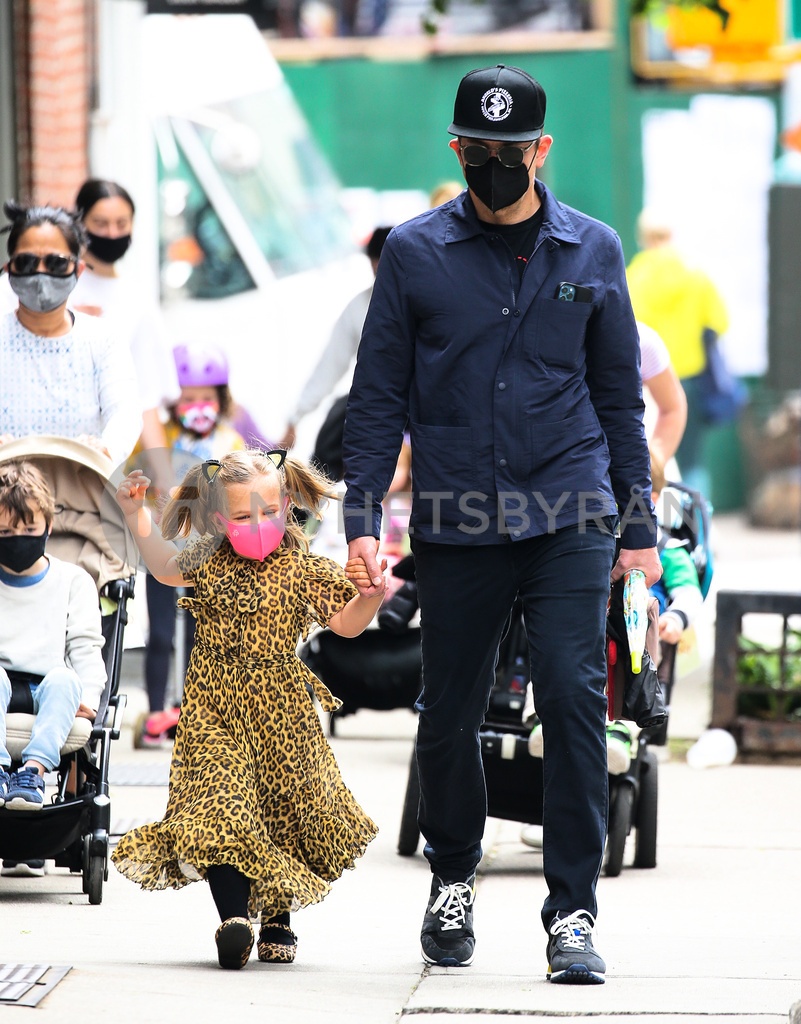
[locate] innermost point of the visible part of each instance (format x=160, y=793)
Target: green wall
x=384, y=125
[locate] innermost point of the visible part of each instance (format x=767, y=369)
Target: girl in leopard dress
x=256, y=804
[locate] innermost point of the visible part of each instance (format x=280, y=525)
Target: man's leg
x=465, y=596
x=565, y=586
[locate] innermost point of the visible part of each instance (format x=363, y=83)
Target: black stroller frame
x=73, y=828
x=513, y=776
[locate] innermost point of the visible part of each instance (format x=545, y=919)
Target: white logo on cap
x=496, y=104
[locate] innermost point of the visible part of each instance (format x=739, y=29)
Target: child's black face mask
x=19, y=551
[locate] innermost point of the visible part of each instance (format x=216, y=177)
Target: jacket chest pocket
x=559, y=332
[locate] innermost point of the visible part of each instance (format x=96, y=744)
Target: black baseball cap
x=502, y=103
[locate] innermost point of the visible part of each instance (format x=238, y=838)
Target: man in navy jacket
x=500, y=334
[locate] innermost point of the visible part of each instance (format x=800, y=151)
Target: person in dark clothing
x=500, y=330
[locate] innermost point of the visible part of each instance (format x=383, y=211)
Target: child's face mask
x=18, y=552
x=256, y=541
x=199, y=417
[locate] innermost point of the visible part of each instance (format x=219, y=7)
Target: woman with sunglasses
x=62, y=372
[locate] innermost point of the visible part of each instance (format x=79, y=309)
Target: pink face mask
x=199, y=417
x=256, y=542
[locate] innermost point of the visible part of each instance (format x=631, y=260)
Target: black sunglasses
x=476, y=155
x=25, y=264
x=211, y=467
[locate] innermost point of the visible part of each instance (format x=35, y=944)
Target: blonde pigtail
x=191, y=506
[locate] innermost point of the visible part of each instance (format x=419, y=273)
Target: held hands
x=368, y=583
x=646, y=559
x=131, y=492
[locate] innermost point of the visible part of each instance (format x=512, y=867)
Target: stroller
x=514, y=778
x=375, y=670
x=88, y=529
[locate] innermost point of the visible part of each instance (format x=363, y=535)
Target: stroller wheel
x=647, y=803
x=95, y=872
x=409, y=834
x=619, y=826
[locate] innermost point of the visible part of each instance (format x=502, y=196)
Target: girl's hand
x=131, y=492
x=356, y=571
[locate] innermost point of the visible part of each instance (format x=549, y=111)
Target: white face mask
x=42, y=293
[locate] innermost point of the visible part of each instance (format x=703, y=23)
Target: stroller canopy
x=88, y=528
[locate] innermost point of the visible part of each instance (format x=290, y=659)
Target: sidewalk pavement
x=708, y=936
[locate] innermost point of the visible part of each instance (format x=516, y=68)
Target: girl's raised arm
x=160, y=555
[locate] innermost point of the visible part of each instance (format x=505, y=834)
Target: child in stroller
x=87, y=551
x=50, y=636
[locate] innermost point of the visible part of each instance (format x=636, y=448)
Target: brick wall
x=54, y=75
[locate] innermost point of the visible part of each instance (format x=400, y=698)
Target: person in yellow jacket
x=682, y=303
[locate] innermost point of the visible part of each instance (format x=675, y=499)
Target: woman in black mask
x=107, y=210
x=61, y=372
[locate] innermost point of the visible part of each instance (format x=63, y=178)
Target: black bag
x=328, y=445
x=643, y=699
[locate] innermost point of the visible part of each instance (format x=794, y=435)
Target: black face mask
x=21, y=550
x=108, y=250
x=495, y=185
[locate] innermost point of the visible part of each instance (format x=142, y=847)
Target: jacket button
x=516, y=533
x=502, y=463
x=517, y=312
x=502, y=386
x=505, y=311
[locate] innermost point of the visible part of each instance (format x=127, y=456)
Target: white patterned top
x=77, y=383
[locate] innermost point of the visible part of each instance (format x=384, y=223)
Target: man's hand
x=646, y=559
x=366, y=549
x=85, y=712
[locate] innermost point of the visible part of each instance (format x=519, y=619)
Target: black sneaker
x=447, y=936
x=571, y=957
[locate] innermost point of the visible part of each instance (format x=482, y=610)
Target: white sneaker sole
x=18, y=803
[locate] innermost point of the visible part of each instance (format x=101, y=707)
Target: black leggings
x=230, y=890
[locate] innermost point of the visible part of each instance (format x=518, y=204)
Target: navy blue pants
x=466, y=595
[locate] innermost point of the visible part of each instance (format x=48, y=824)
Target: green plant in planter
x=770, y=687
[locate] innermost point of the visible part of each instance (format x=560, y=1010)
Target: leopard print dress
x=253, y=781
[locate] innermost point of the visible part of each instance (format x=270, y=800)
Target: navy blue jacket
x=525, y=412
